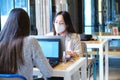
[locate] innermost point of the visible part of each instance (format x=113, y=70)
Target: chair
x=12, y=77
x=91, y=62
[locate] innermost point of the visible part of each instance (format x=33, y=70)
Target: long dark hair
x=15, y=29
x=67, y=20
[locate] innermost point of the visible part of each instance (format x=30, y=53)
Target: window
x=87, y=17
x=27, y=5
x=6, y=6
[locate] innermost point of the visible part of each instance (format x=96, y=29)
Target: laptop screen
x=50, y=47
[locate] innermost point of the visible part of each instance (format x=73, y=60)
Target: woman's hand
x=72, y=54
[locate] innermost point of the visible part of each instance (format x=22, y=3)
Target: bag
x=85, y=37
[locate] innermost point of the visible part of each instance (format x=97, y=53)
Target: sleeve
x=77, y=44
x=39, y=60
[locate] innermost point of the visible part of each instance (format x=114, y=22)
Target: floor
x=114, y=74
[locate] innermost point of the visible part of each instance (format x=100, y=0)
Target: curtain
x=43, y=16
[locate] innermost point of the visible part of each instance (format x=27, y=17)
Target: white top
x=33, y=56
x=73, y=43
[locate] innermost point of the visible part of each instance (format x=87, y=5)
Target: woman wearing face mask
x=63, y=27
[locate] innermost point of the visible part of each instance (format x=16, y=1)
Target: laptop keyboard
x=53, y=63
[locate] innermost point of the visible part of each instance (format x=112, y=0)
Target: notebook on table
x=51, y=49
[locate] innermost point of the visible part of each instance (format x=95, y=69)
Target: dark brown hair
x=15, y=29
x=67, y=20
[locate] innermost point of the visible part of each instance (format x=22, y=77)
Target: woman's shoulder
x=29, y=39
x=30, y=42
x=74, y=35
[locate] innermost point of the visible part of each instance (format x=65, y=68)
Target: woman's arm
x=74, y=45
x=40, y=60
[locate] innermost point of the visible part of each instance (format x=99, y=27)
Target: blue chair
x=12, y=77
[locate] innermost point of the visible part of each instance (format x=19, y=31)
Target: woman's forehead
x=59, y=18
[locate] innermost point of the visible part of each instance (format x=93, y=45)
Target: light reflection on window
x=7, y=5
x=87, y=16
x=87, y=12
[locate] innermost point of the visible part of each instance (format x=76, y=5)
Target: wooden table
x=105, y=35
x=67, y=69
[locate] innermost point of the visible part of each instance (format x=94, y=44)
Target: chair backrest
x=12, y=77
x=84, y=50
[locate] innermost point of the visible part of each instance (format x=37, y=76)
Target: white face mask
x=59, y=28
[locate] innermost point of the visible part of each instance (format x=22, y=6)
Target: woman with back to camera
x=62, y=26
x=18, y=51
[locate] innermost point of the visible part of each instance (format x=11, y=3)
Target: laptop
x=62, y=42
x=51, y=49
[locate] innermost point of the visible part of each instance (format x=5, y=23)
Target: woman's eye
x=61, y=23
